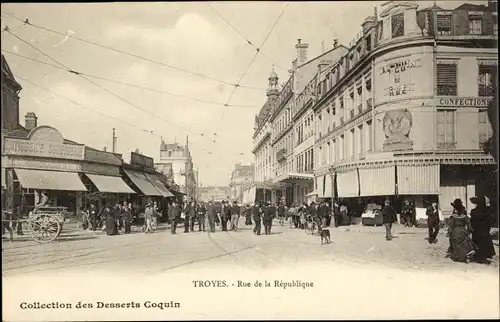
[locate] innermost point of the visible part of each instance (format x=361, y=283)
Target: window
x=486, y=80
x=169, y=153
x=368, y=43
x=444, y=25
x=446, y=129
x=475, y=25
x=447, y=79
x=485, y=131
x=398, y=25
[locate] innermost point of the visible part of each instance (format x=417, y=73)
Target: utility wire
x=27, y=22
x=242, y=36
x=124, y=83
x=248, y=67
x=101, y=87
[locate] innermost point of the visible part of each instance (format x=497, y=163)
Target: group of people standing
x=111, y=220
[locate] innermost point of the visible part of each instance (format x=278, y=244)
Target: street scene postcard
x=249, y=160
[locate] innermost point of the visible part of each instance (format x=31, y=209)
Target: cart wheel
x=44, y=228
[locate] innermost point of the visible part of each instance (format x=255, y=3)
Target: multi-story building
x=292, y=126
x=403, y=115
x=241, y=177
x=216, y=193
x=176, y=161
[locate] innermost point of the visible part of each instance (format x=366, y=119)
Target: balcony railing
x=447, y=145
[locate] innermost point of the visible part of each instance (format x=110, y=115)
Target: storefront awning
x=377, y=180
x=313, y=193
x=348, y=184
x=159, y=185
x=50, y=180
x=144, y=185
x=109, y=184
x=418, y=179
x=294, y=177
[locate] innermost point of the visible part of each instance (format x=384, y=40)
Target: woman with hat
x=111, y=228
x=481, y=225
x=461, y=246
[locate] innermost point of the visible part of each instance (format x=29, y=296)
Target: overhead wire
x=103, y=88
x=124, y=83
x=248, y=67
x=242, y=36
x=29, y=23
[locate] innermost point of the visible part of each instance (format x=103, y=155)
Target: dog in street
x=325, y=236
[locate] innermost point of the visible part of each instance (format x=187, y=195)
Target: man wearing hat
x=257, y=211
x=481, y=222
x=174, y=214
x=148, y=217
x=212, y=215
x=269, y=213
x=433, y=222
x=388, y=217
x=225, y=215
x=235, y=216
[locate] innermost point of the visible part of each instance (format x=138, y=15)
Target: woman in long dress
x=111, y=228
x=481, y=225
x=461, y=247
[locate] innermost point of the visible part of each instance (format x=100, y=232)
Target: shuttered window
x=447, y=79
x=445, y=129
x=398, y=25
x=444, y=25
x=486, y=80
x=485, y=131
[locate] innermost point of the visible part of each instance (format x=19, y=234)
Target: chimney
x=301, y=51
x=335, y=43
x=104, y=149
x=375, y=12
x=30, y=121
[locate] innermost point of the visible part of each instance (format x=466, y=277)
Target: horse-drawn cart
x=44, y=224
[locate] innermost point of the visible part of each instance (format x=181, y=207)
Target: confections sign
x=464, y=101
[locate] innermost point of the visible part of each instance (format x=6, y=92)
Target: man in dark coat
x=212, y=216
x=257, y=212
x=235, y=216
x=174, y=215
x=192, y=214
x=126, y=217
x=186, y=211
x=201, y=212
x=388, y=217
x=248, y=215
x=481, y=223
x=93, y=216
x=432, y=222
x=225, y=215
x=322, y=210
x=267, y=218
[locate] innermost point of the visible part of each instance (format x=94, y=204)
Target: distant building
x=216, y=193
x=242, y=176
x=176, y=161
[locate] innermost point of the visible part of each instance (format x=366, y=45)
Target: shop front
x=288, y=186
x=101, y=176
x=42, y=168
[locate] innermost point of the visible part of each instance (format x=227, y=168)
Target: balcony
x=369, y=103
x=281, y=155
x=446, y=145
x=351, y=114
x=360, y=108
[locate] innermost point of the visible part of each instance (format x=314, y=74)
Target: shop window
x=398, y=25
x=475, y=23
x=485, y=131
x=447, y=79
x=486, y=80
x=445, y=129
x=444, y=25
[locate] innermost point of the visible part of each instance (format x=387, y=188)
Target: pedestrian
x=118, y=214
x=212, y=216
x=154, y=222
x=406, y=216
x=92, y=212
x=388, y=215
x=322, y=210
x=303, y=215
x=337, y=216
x=459, y=229
x=192, y=214
x=433, y=222
x=248, y=215
x=257, y=213
x=174, y=214
x=225, y=215
x=269, y=212
x=127, y=217
x=328, y=214
x=344, y=213
x=201, y=212
x=218, y=209
x=110, y=216
x=235, y=216
x=481, y=225
x=85, y=219
x=185, y=216
x=281, y=213
x=148, y=216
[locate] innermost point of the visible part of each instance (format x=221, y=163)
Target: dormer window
x=398, y=25
x=475, y=23
x=444, y=24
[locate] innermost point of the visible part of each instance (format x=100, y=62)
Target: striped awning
x=418, y=179
x=50, y=180
x=109, y=184
x=348, y=184
x=156, y=181
x=144, y=185
x=377, y=181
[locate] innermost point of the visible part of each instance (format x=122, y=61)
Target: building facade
x=216, y=193
x=404, y=113
x=176, y=162
x=241, y=177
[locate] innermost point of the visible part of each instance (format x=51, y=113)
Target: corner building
x=404, y=114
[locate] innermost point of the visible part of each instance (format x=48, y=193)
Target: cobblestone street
x=161, y=251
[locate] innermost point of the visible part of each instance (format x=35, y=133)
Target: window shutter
x=444, y=23
x=446, y=74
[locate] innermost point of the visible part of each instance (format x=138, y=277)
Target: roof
x=170, y=146
x=7, y=72
x=470, y=6
x=22, y=133
x=323, y=54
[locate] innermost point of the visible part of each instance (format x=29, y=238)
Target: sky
x=184, y=36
